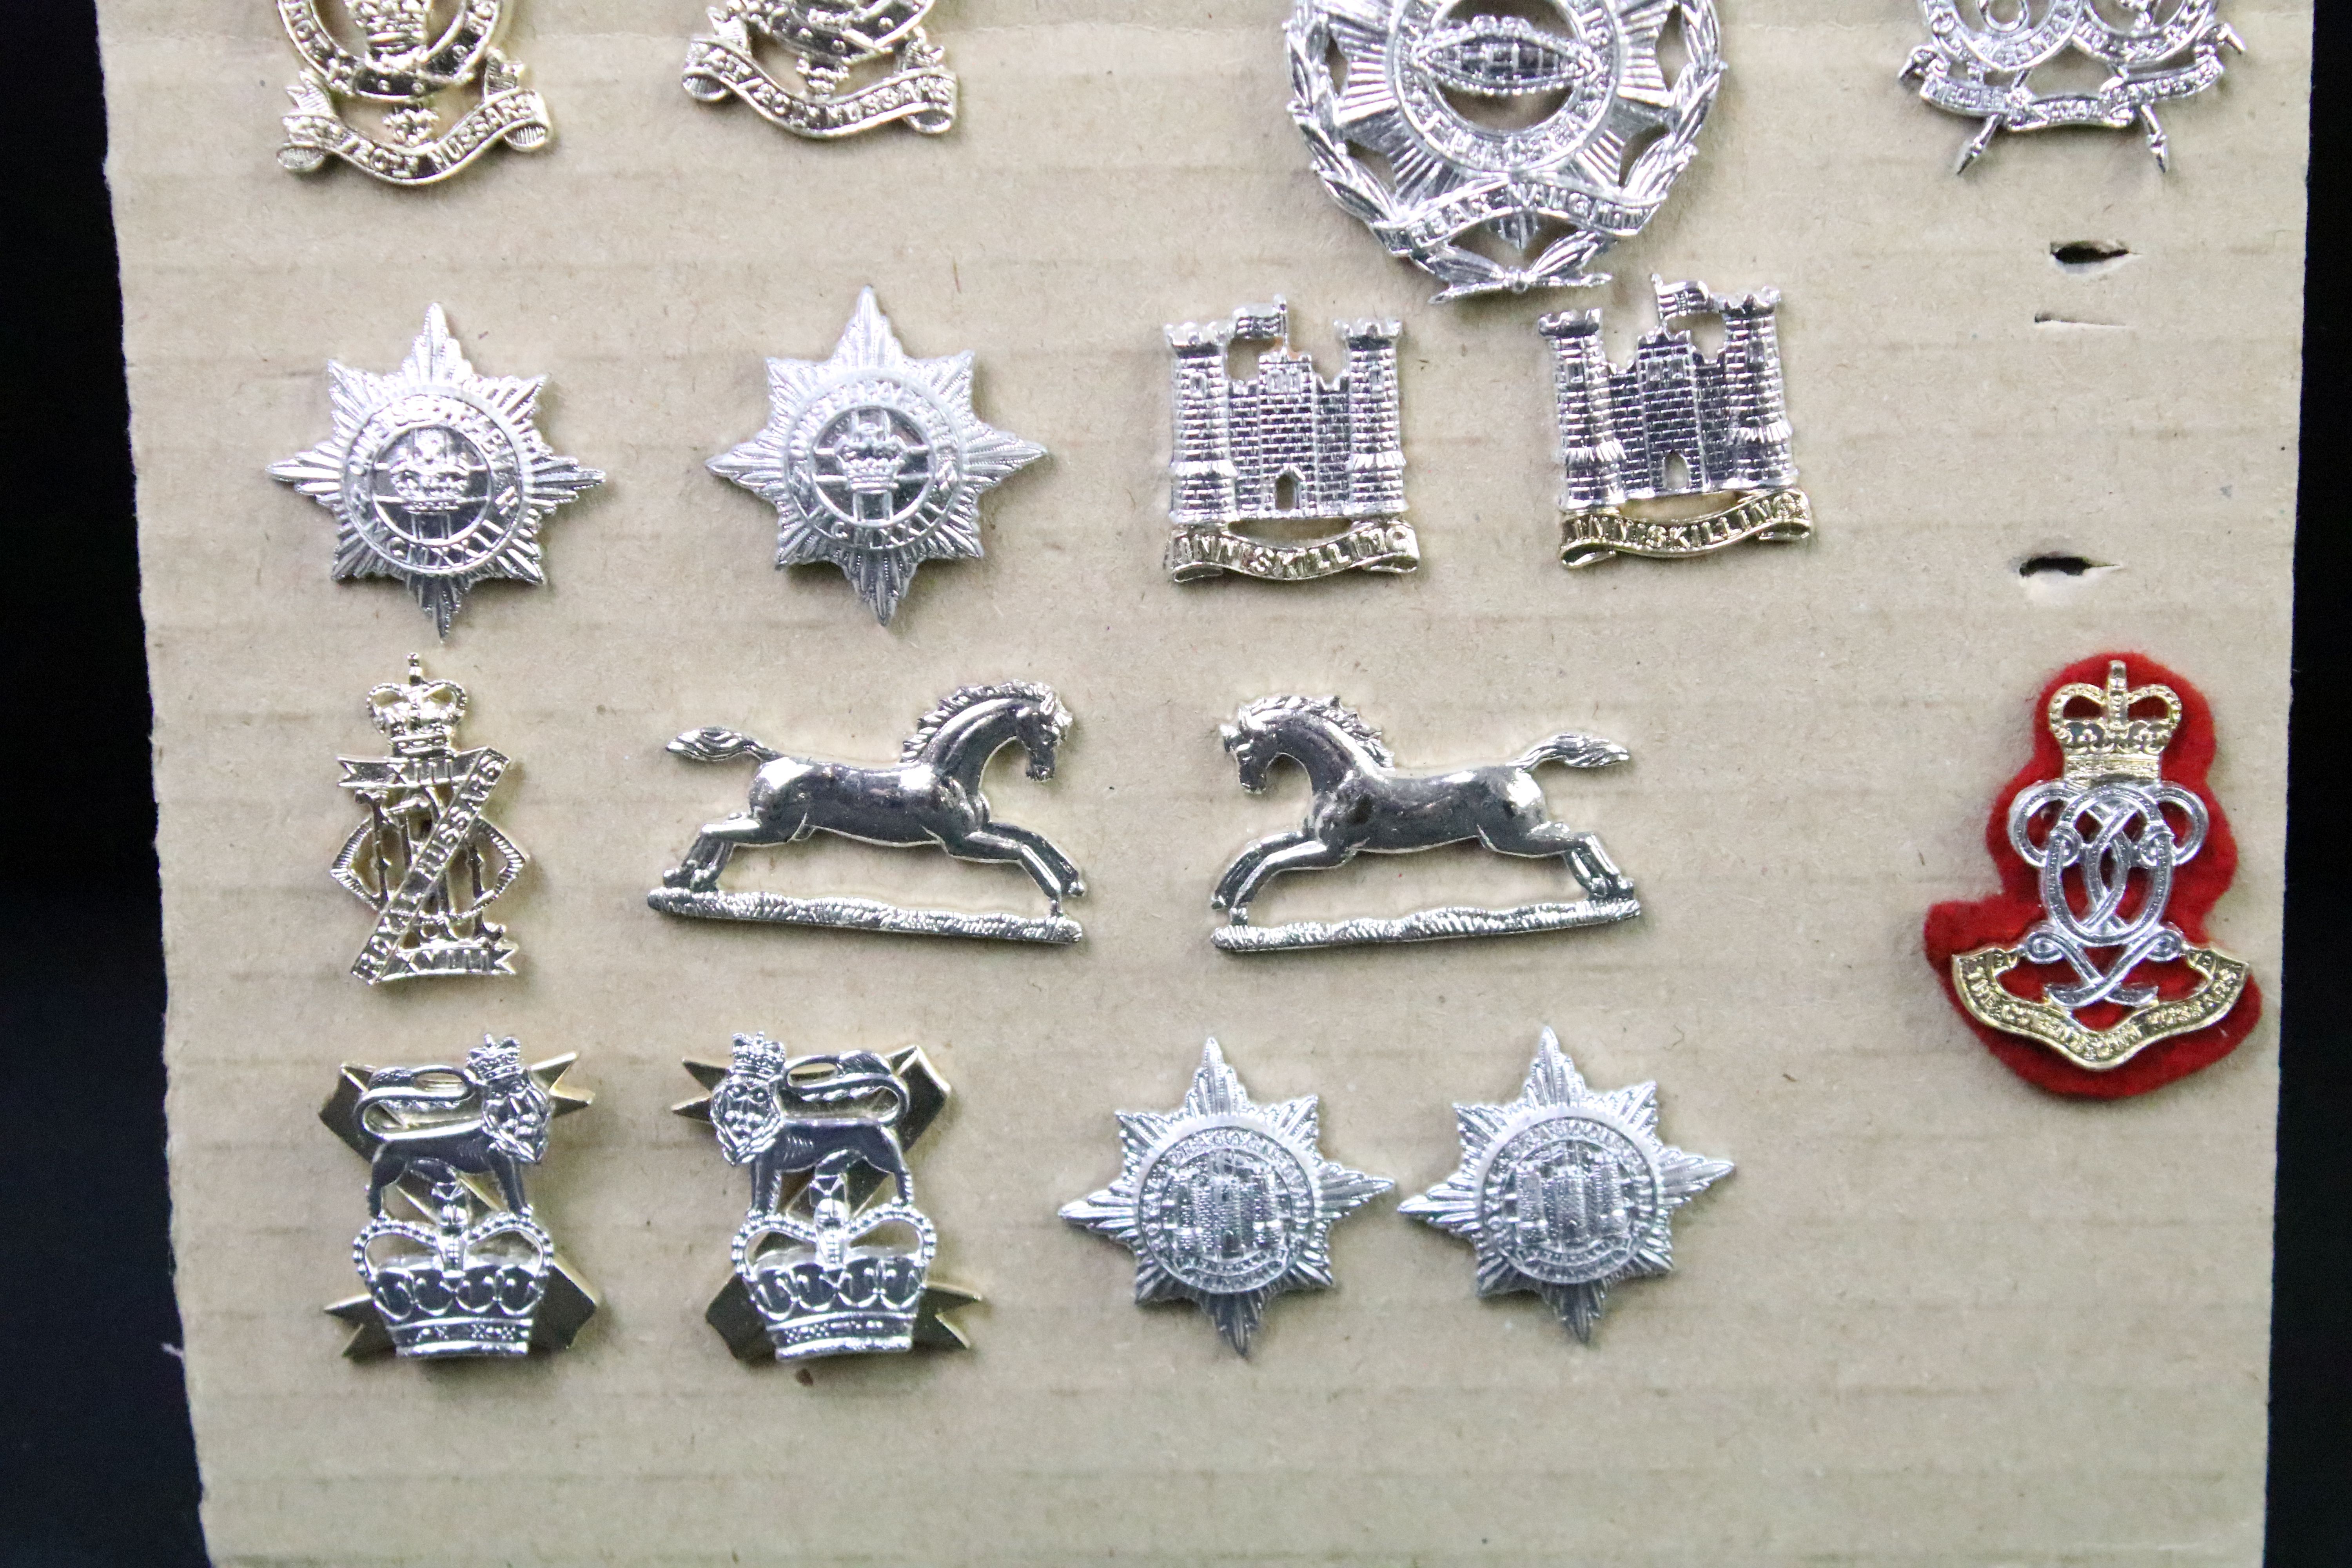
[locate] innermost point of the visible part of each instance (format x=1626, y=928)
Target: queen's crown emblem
x=2111, y=745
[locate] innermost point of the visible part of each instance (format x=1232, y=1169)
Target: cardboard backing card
x=1936, y=1317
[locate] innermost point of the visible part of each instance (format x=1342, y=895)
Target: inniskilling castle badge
x=1674, y=422
x=1286, y=447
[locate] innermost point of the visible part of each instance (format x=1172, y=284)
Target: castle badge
x=1286, y=447
x=473, y=1273
x=435, y=476
x=1674, y=422
x=1546, y=140
x=873, y=461
x=929, y=796
x=426, y=860
x=2164, y=49
x=1565, y=1191
x=2095, y=952
x=400, y=63
x=811, y=1276
x=1363, y=803
x=1225, y=1204
x=829, y=41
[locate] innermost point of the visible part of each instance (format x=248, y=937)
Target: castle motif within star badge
x=436, y=476
x=874, y=460
x=1565, y=1191
x=1224, y=1202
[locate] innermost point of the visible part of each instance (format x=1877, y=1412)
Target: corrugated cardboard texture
x=1936, y=1318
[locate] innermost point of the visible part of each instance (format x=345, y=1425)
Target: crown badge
x=863, y=65
x=426, y=860
x=839, y=1265
x=468, y=1270
x=400, y=63
x=2102, y=972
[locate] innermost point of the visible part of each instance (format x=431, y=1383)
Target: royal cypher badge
x=2089, y=973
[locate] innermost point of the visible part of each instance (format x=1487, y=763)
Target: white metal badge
x=1673, y=422
x=402, y=63
x=426, y=860
x=874, y=460
x=1557, y=138
x=435, y=476
x=831, y=43
x=2160, y=50
x=1565, y=1191
x=1224, y=1202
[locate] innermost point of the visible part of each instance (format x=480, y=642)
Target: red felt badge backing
x=1963, y=927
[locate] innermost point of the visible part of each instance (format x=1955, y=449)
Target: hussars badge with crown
x=426, y=860
x=403, y=64
x=1515, y=150
x=455, y=1261
x=436, y=476
x=862, y=64
x=839, y=1263
x=2155, y=51
x=2096, y=952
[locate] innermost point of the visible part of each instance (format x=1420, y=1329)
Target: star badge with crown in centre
x=1565, y=1191
x=436, y=476
x=874, y=460
x=1224, y=1202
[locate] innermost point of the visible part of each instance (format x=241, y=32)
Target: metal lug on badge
x=1363, y=802
x=1224, y=1202
x=455, y=1261
x=434, y=475
x=426, y=860
x=930, y=797
x=830, y=42
x=839, y=1265
x=1566, y=1191
x=1674, y=422
x=400, y=63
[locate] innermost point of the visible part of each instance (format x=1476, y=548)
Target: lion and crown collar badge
x=2090, y=974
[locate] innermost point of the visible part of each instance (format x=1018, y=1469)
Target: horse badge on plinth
x=426, y=860
x=931, y=796
x=462, y=1266
x=1363, y=803
x=839, y=1265
x=1674, y=422
x=402, y=64
x=830, y=41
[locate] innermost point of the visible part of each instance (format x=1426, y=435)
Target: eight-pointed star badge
x=874, y=460
x=435, y=476
x=1565, y=1191
x=1224, y=1202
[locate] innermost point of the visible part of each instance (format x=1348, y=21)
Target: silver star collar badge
x=1565, y=1191
x=874, y=460
x=436, y=476
x=1224, y=1202
x=1427, y=90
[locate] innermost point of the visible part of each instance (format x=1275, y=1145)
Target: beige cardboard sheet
x=1937, y=1317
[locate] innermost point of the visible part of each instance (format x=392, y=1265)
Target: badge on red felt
x=2090, y=974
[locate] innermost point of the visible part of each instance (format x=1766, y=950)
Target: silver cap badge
x=829, y=43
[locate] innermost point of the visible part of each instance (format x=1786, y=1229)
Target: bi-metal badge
x=827, y=1268
x=402, y=65
x=1364, y=803
x=436, y=476
x=1565, y=1191
x=2095, y=951
x=1283, y=447
x=425, y=859
x=1224, y=1202
x=873, y=461
x=828, y=42
x=931, y=796
x=1674, y=422
x=2163, y=50
x=472, y=1272
x=1555, y=137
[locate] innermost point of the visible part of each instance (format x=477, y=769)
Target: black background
x=97, y=1468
